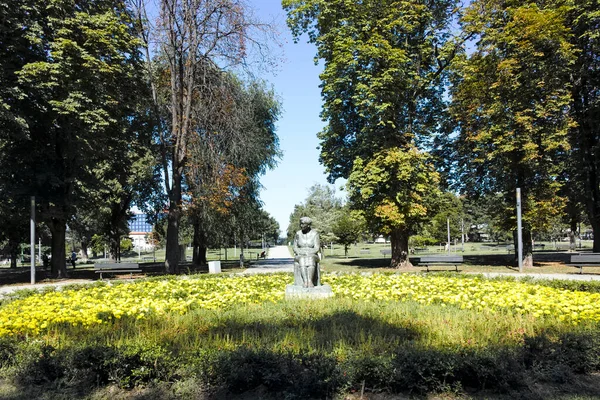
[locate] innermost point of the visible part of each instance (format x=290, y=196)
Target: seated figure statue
x=306, y=258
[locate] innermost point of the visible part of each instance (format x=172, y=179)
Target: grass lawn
x=478, y=258
x=384, y=336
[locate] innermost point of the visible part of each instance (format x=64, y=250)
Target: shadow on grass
x=377, y=356
x=345, y=329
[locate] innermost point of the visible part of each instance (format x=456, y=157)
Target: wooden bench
x=385, y=252
x=117, y=268
x=429, y=261
x=584, y=260
x=365, y=251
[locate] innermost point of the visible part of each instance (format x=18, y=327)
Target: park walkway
x=279, y=259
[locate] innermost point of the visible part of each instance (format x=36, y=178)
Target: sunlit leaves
x=510, y=100
x=396, y=187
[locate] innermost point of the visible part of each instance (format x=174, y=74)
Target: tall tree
x=410, y=176
x=450, y=210
x=384, y=67
x=584, y=22
x=235, y=143
x=16, y=117
x=348, y=229
x=76, y=92
x=511, y=101
x=195, y=37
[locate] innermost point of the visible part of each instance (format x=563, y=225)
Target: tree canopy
x=385, y=64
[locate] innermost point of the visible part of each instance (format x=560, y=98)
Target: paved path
x=279, y=259
x=569, y=277
x=38, y=286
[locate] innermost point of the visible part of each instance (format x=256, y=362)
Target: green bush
x=291, y=376
x=422, y=241
x=126, y=245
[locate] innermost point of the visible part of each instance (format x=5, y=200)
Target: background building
x=139, y=229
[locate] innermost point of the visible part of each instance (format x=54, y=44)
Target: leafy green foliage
x=76, y=86
x=510, y=100
x=323, y=207
x=410, y=176
x=348, y=228
x=583, y=20
x=450, y=209
x=126, y=245
x=383, y=69
x=385, y=63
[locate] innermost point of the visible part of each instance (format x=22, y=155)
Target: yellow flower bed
x=100, y=304
x=103, y=303
x=471, y=293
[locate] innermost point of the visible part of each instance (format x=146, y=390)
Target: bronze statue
x=306, y=259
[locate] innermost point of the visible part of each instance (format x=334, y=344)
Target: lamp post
x=32, y=237
x=519, y=231
x=448, y=225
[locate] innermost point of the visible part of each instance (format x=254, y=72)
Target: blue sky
x=297, y=85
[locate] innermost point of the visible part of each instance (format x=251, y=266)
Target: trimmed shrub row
x=316, y=375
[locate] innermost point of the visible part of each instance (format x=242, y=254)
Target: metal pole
x=519, y=231
x=39, y=249
x=462, y=235
x=32, y=237
x=448, y=223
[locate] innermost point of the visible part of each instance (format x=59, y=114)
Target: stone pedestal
x=299, y=292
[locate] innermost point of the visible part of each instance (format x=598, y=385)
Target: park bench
x=365, y=251
x=584, y=260
x=117, y=268
x=385, y=252
x=430, y=261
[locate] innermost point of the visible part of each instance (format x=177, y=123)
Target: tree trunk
x=572, y=237
x=596, y=229
x=200, y=246
x=58, y=228
x=13, y=249
x=114, y=245
x=84, y=249
x=399, y=239
x=241, y=243
x=593, y=206
x=527, y=248
x=196, y=243
x=172, y=245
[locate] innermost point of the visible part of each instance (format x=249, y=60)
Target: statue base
x=299, y=292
